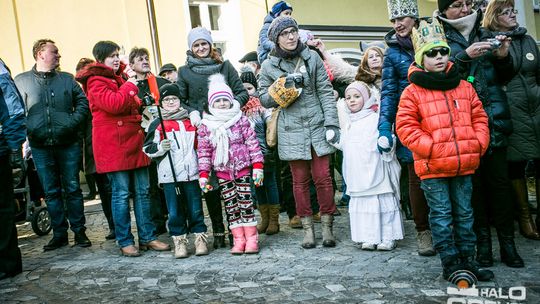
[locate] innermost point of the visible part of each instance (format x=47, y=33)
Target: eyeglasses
x=433, y=52
x=285, y=34
x=509, y=11
x=461, y=5
x=170, y=99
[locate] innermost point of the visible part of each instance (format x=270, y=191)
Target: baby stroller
x=29, y=203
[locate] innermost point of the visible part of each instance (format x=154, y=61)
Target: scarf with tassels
x=218, y=123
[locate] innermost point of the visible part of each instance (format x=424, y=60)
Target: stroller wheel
x=41, y=221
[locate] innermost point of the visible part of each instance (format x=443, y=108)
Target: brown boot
x=294, y=222
x=526, y=225
x=263, y=224
x=156, y=245
x=273, y=222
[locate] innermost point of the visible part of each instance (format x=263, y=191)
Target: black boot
x=55, y=243
x=450, y=265
x=219, y=240
x=509, y=254
x=471, y=265
x=484, y=254
x=81, y=239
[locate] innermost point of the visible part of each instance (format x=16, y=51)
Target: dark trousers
x=492, y=195
x=105, y=195
x=10, y=255
x=158, y=204
x=419, y=205
x=215, y=210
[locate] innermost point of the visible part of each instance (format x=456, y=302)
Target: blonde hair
x=364, y=73
x=494, y=8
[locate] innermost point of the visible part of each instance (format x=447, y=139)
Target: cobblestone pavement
x=283, y=272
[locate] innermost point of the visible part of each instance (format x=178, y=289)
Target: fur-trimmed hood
x=99, y=69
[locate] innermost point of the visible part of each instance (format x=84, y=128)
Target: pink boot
x=252, y=239
x=239, y=240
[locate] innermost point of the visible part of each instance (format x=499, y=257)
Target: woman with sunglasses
x=487, y=66
x=524, y=99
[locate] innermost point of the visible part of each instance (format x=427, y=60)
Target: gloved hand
x=332, y=135
x=16, y=159
x=385, y=130
x=258, y=177
x=195, y=118
x=203, y=183
x=165, y=145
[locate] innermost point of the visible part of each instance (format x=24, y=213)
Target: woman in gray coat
x=307, y=125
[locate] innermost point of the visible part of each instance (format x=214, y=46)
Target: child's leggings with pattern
x=238, y=204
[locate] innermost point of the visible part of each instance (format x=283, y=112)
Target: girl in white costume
x=372, y=179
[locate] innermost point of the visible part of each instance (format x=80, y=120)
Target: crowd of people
x=440, y=124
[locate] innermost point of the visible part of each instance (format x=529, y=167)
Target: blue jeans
x=120, y=184
x=268, y=192
x=450, y=215
x=58, y=171
x=185, y=210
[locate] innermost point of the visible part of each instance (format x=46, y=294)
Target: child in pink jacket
x=229, y=147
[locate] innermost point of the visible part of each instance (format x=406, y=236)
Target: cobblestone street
x=283, y=272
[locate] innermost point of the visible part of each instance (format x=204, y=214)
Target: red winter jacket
x=447, y=131
x=117, y=136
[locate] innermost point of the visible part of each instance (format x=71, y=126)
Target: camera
x=148, y=100
x=495, y=43
x=297, y=79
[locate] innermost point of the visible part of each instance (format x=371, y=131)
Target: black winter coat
x=523, y=93
x=193, y=82
x=56, y=107
x=488, y=75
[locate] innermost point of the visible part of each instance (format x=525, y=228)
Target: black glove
x=16, y=159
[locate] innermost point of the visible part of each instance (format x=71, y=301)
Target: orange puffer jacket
x=447, y=131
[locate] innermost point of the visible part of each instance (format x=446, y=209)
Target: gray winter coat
x=301, y=125
x=524, y=97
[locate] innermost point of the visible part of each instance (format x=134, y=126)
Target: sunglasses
x=433, y=52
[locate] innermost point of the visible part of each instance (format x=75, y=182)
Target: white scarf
x=464, y=25
x=218, y=122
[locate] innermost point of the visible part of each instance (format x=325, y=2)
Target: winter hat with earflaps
x=402, y=8
x=426, y=37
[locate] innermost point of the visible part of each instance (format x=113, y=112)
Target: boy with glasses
x=442, y=121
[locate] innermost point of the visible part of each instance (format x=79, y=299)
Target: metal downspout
x=154, y=34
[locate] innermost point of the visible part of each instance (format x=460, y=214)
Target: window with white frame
x=206, y=13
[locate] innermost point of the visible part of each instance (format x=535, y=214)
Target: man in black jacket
x=12, y=136
x=56, y=107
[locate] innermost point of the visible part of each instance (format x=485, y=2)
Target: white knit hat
x=218, y=88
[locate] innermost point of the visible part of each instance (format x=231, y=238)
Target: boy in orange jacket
x=442, y=121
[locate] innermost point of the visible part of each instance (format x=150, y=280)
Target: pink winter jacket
x=244, y=151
